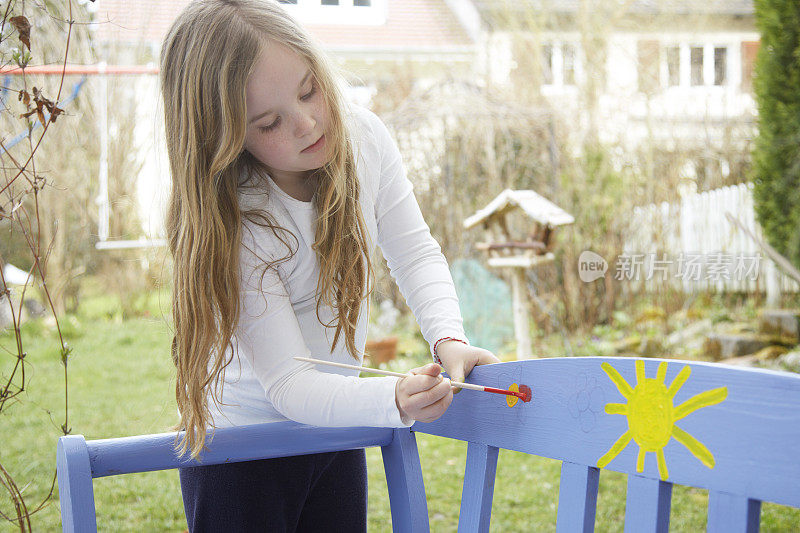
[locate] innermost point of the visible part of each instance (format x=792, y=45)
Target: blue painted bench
x=733, y=431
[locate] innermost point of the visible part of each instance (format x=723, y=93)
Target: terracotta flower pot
x=381, y=350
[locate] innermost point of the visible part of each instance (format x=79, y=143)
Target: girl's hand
x=459, y=359
x=423, y=396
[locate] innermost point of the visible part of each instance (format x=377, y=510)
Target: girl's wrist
x=404, y=418
x=443, y=340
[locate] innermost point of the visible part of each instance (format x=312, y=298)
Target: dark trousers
x=317, y=492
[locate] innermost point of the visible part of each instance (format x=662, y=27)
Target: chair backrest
x=733, y=431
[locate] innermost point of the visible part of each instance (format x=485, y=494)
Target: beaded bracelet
x=436, y=358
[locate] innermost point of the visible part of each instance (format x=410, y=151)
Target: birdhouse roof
x=532, y=204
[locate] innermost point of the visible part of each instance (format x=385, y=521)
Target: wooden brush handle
x=382, y=372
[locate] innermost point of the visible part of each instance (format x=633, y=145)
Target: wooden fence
x=692, y=245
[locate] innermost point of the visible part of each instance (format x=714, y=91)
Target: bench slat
x=729, y=513
x=577, y=498
x=647, y=505
x=144, y=453
x=405, y=484
x=478, y=488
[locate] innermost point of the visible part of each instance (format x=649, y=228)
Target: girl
x=280, y=193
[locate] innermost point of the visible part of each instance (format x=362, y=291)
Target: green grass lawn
x=121, y=383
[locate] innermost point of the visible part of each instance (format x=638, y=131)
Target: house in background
x=670, y=74
x=673, y=74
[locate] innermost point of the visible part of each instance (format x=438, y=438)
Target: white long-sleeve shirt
x=278, y=318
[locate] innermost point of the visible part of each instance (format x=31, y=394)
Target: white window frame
x=712, y=62
x=344, y=14
x=557, y=45
x=685, y=66
x=664, y=64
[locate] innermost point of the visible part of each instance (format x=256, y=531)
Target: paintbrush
x=524, y=393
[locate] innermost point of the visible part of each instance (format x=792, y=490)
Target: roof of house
x=143, y=21
x=409, y=24
x=416, y=24
x=678, y=7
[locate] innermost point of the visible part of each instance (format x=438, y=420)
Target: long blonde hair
x=206, y=59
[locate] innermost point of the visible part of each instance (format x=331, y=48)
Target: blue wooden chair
x=733, y=431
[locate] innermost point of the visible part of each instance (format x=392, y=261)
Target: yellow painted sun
x=652, y=415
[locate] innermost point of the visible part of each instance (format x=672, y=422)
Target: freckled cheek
x=324, y=115
x=269, y=152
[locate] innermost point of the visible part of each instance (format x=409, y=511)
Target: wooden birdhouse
x=519, y=252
